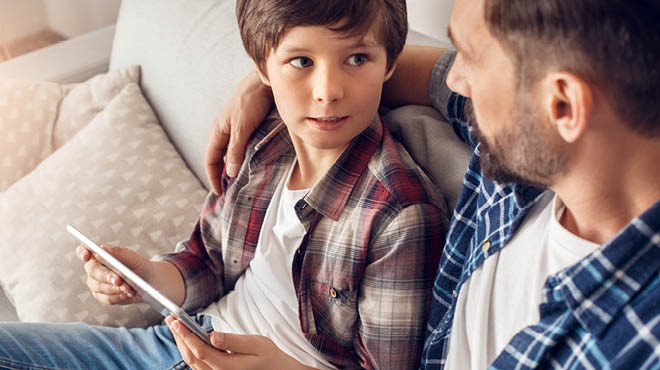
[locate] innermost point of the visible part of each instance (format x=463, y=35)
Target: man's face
x=518, y=143
x=327, y=88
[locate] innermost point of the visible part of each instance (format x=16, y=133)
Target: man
x=553, y=255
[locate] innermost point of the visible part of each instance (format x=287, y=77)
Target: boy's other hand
x=239, y=118
x=245, y=351
x=108, y=287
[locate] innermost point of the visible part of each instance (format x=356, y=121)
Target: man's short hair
x=613, y=44
x=263, y=23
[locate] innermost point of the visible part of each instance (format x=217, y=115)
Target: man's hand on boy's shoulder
x=230, y=351
x=239, y=118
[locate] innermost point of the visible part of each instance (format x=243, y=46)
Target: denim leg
x=81, y=346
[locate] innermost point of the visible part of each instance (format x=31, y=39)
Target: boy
x=327, y=241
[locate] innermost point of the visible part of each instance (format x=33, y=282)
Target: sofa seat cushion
x=120, y=181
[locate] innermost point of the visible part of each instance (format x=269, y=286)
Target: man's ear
x=263, y=76
x=568, y=104
x=390, y=72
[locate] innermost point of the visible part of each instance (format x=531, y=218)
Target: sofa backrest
x=192, y=57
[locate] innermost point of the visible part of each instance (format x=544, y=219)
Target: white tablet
x=147, y=292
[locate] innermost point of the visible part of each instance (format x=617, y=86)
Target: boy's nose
x=328, y=86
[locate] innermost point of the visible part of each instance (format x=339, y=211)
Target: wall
x=19, y=18
x=430, y=17
x=71, y=18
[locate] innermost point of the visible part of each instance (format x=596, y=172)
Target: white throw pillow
x=120, y=181
x=37, y=117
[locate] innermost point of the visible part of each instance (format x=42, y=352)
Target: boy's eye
x=357, y=59
x=301, y=62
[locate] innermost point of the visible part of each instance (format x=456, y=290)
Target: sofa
x=120, y=119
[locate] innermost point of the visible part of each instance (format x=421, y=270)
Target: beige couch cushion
x=120, y=181
x=37, y=117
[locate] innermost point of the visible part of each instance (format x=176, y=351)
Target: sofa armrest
x=73, y=60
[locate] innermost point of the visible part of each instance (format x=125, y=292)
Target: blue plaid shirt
x=601, y=313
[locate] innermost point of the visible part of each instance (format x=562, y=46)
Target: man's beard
x=520, y=153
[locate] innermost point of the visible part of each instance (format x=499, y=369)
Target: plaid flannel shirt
x=601, y=313
x=363, y=274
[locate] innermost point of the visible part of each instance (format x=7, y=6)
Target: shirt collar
x=598, y=287
x=330, y=194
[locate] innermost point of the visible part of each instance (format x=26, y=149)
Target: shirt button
x=486, y=246
x=333, y=293
x=453, y=293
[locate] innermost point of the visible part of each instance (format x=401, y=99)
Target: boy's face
x=327, y=88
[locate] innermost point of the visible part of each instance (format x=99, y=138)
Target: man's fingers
x=236, y=151
x=215, y=151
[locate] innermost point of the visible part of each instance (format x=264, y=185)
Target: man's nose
x=328, y=85
x=457, y=81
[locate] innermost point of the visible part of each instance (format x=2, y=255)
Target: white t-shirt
x=264, y=299
x=503, y=295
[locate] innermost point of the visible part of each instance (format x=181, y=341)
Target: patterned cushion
x=120, y=181
x=38, y=117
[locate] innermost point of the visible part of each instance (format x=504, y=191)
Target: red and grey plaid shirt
x=364, y=271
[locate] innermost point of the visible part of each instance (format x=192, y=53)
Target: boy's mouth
x=327, y=122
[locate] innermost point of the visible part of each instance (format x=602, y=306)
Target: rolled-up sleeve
x=199, y=260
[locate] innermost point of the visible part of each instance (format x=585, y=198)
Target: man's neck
x=603, y=196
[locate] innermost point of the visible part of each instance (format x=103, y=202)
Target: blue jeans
x=81, y=346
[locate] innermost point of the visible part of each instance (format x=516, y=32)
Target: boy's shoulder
x=268, y=127
x=394, y=168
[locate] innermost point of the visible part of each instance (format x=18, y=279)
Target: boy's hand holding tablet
x=117, y=275
x=107, y=286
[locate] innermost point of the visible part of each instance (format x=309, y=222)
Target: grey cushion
x=433, y=144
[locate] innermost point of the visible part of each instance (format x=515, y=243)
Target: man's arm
x=410, y=82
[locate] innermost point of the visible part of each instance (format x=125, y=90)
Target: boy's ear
x=390, y=72
x=262, y=75
x=568, y=104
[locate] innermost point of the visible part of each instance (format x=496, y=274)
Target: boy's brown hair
x=263, y=23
